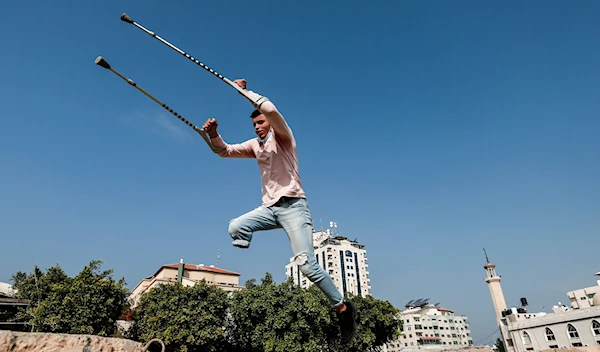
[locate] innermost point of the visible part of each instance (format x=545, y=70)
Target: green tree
x=500, y=345
x=36, y=286
x=377, y=323
x=284, y=317
x=271, y=317
x=89, y=303
x=185, y=318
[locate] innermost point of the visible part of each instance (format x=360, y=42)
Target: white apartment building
x=344, y=260
x=567, y=327
x=428, y=326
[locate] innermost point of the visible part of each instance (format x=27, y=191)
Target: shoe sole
x=345, y=341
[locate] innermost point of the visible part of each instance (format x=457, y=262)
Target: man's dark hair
x=255, y=113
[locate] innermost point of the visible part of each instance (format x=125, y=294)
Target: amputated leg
x=243, y=227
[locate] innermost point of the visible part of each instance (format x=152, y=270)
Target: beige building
x=344, y=260
x=566, y=327
x=428, y=326
x=187, y=274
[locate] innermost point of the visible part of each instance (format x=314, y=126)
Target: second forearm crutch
x=126, y=18
x=103, y=63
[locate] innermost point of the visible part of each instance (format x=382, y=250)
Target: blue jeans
x=293, y=216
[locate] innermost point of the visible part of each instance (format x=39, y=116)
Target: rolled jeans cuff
x=241, y=243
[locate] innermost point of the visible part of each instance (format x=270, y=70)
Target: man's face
x=261, y=126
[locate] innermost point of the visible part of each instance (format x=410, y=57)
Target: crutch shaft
x=100, y=61
x=126, y=18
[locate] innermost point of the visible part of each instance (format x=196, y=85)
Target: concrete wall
x=13, y=341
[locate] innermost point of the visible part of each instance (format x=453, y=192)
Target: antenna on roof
x=218, y=255
x=486, y=256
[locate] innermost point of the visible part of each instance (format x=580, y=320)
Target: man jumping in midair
x=284, y=203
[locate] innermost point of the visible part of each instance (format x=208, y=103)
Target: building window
x=526, y=338
x=550, y=335
x=343, y=273
x=573, y=334
x=596, y=327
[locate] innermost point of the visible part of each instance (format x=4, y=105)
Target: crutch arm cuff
x=256, y=99
x=208, y=140
x=260, y=101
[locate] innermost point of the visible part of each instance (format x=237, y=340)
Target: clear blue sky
x=427, y=130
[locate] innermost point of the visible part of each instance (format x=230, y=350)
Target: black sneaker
x=348, y=322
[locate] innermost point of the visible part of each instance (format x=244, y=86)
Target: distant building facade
x=9, y=307
x=567, y=327
x=189, y=275
x=428, y=326
x=343, y=259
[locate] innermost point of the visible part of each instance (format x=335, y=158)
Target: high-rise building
x=343, y=259
x=429, y=326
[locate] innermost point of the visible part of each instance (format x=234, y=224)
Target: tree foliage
x=37, y=286
x=264, y=316
x=377, y=324
x=89, y=303
x=185, y=318
x=270, y=317
x=284, y=317
x=500, y=345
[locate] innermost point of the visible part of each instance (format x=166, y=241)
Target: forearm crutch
x=100, y=61
x=126, y=18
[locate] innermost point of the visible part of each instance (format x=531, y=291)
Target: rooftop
x=199, y=267
x=6, y=290
x=445, y=310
